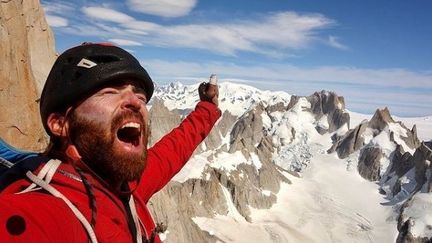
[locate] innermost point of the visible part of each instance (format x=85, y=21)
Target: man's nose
x=131, y=101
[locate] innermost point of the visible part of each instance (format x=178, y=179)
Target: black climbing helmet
x=82, y=70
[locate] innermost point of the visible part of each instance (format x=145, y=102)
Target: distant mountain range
x=272, y=151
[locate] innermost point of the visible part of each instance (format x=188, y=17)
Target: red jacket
x=48, y=219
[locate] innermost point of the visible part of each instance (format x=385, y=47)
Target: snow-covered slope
x=323, y=198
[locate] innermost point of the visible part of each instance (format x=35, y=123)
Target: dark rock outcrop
x=369, y=163
x=402, y=162
x=352, y=141
x=329, y=104
x=421, y=162
x=412, y=140
x=423, y=165
x=332, y=105
x=380, y=119
x=248, y=131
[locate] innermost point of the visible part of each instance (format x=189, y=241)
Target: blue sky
x=374, y=53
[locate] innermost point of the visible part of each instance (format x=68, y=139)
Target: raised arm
x=171, y=153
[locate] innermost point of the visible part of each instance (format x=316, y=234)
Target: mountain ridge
x=285, y=134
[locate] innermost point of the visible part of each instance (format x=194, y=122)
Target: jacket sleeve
x=171, y=153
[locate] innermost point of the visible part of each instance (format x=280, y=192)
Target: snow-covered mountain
x=235, y=98
x=282, y=168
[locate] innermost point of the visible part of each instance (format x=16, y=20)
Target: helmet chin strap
x=72, y=153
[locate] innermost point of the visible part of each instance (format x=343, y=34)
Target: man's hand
x=209, y=92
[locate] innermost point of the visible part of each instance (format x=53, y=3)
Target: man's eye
x=142, y=98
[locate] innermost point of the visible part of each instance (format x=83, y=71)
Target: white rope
x=52, y=171
x=136, y=219
x=46, y=174
x=43, y=184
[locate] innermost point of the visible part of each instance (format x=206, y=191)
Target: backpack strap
x=136, y=219
x=43, y=179
x=46, y=174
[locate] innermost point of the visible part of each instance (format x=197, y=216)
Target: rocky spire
x=327, y=104
x=380, y=119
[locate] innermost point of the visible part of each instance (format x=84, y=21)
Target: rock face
x=402, y=161
x=416, y=167
x=178, y=203
x=412, y=221
x=350, y=142
x=412, y=140
x=407, y=179
x=248, y=131
x=170, y=207
x=423, y=166
x=380, y=119
x=327, y=105
x=355, y=139
x=370, y=162
x=331, y=105
x=162, y=120
x=26, y=54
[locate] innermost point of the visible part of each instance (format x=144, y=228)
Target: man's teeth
x=132, y=124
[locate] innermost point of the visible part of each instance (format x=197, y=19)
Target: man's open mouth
x=130, y=133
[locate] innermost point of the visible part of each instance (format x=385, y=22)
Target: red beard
x=98, y=151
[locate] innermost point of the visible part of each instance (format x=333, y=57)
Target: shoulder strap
x=136, y=220
x=43, y=179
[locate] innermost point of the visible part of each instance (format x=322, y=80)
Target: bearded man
x=97, y=174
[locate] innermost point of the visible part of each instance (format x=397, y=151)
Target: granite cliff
x=26, y=54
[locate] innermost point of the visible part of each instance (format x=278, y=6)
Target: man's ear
x=57, y=124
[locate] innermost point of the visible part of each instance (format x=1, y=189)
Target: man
x=93, y=106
